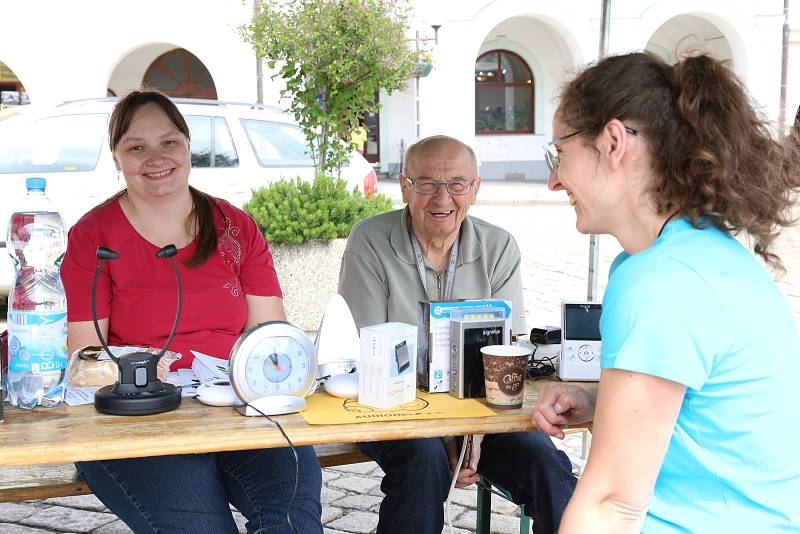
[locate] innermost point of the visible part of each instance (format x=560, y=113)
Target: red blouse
x=138, y=292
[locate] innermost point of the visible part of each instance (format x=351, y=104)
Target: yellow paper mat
x=324, y=409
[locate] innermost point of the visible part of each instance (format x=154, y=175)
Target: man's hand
x=468, y=471
x=561, y=405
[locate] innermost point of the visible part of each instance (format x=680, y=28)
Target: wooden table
x=69, y=434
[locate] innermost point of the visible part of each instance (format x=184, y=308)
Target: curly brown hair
x=714, y=157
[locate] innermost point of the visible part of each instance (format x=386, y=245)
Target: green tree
x=334, y=55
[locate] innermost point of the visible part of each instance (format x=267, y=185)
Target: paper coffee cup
x=504, y=371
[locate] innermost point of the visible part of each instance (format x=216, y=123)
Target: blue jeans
x=191, y=492
x=417, y=479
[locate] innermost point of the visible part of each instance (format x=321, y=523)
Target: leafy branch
x=334, y=56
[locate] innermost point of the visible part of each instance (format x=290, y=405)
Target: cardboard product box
x=387, y=371
x=433, y=337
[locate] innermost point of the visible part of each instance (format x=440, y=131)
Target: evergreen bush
x=295, y=211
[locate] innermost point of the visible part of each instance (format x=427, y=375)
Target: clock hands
x=274, y=359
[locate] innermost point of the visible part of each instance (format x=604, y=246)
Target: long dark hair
x=714, y=157
x=201, y=218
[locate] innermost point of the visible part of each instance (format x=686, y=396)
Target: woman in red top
x=229, y=284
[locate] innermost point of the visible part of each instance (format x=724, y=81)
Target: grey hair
x=411, y=151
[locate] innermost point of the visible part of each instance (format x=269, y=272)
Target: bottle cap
x=34, y=184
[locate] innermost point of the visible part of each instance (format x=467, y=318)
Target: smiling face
x=581, y=175
x=153, y=155
x=439, y=216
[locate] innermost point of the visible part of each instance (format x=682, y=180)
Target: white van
x=235, y=148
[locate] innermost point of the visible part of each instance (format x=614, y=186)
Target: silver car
x=235, y=148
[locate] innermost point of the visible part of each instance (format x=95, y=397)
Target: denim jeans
x=417, y=479
x=191, y=492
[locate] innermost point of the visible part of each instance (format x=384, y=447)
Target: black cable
x=542, y=367
x=177, y=312
x=296, y=468
x=94, y=311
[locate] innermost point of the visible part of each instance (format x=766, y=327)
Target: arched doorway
x=12, y=92
x=179, y=73
x=504, y=91
x=686, y=35
x=517, y=72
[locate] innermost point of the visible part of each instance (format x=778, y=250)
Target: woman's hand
x=561, y=405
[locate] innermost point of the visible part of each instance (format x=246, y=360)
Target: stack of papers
x=207, y=368
x=186, y=380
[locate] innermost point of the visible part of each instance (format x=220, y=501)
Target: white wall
x=553, y=37
x=752, y=31
x=69, y=50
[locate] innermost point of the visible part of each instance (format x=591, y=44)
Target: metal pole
x=416, y=85
x=259, y=63
x=605, y=23
x=784, y=69
x=594, y=240
x=259, y=81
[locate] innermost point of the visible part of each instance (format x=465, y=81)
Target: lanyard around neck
x=451, y=265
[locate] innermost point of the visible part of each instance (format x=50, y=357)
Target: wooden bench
x=30, y=482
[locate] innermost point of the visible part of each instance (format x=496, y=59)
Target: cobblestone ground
x=554, y=268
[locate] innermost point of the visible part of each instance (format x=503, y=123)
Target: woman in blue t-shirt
x=695, y=410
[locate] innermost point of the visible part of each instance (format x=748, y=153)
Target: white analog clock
x=272, y=368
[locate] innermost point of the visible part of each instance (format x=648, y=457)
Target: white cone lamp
x=337, y=344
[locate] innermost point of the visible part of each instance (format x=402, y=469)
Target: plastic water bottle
x=37, y=305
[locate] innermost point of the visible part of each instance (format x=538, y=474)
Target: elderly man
x=433, y=250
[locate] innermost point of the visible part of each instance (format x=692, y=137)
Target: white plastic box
x=387, y=374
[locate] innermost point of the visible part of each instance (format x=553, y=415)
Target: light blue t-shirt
x=698, y=309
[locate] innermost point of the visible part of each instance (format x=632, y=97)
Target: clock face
x=277, y=365
x=272, y=359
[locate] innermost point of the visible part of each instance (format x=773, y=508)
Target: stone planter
x=309, y=275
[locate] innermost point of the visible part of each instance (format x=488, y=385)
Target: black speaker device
x=467, y=337
x=138, y=391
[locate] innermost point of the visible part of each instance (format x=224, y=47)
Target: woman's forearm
x=609, y=514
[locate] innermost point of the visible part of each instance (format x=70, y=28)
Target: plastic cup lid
x=505, y=350
x=35, y=183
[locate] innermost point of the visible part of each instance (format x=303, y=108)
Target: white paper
x=208, y=368
x=80, y=395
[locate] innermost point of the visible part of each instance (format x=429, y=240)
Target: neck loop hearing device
x=138, y=391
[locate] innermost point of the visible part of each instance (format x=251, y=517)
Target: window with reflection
x=503, y=94
x=212, y=145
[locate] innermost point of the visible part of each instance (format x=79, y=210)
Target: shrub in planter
x=295, y=211
x=301, y=222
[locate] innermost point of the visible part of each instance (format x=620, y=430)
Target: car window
x=277, y=144
x=64, y=143
x=212, y=145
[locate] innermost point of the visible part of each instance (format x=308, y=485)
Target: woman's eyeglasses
x=551, y=150
x=423, y=186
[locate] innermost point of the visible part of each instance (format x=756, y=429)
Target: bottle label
x=37, y=342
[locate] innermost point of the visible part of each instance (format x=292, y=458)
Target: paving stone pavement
x=554, y=268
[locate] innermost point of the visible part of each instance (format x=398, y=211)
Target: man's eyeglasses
x=551, y=150
x=423, y=186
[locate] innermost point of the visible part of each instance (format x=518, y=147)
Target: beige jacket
x=380, y=282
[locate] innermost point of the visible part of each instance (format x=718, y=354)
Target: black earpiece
x=104, y=253
x=167, y=251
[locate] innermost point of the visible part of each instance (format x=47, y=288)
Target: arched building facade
x=191, y=49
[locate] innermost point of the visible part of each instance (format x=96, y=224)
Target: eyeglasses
x=551, y=152
x=457, y=187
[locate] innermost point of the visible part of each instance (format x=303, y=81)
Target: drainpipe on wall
x=784, y=69
x=594, y=240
